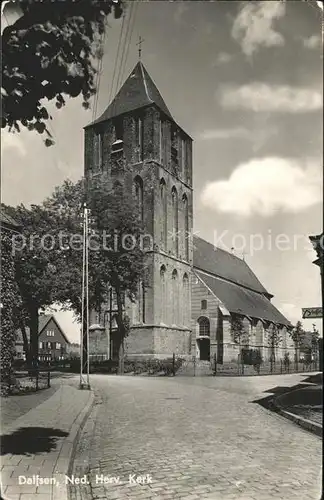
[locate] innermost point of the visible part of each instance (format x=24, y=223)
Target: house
x=53, y=343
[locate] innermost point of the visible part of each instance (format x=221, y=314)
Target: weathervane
x=139, y=43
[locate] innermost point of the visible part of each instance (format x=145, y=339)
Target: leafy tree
x=274, y=339
x=114, y=225
x=50, y=53
x=314, y=338
x=48, y=262
x=239, y=333
x=314, y=342
x=297, y=334
x=35, y=270
x=9, y=303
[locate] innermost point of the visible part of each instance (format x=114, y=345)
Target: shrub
x=105, y=366
x=152, y=366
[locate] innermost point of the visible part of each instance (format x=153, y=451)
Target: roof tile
x=224, y=264
x=240, y=300
x=138, y=91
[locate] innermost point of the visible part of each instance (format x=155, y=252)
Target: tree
x=50, y=53
x=115, y=262
x=35, y=270
x=48, y=262
x=314, y=342
x=239, y=333
x=10, y=301
x=274, y=340
x=297, y=334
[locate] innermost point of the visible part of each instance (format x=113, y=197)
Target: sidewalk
x=37, y=448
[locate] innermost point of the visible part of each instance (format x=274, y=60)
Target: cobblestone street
x=195, y=438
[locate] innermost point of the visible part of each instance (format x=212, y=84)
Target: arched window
x=175, y=298
x=175, y=221
x=163, y=315
x=139, y=137
x=204, y=326
x=164, y=214
x=186, y=299
x=139, y=195
x=186, y=235
x=98, y=148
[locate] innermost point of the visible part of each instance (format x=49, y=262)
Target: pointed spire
x=138, y=91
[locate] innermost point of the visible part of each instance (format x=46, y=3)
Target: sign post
x=312, y=312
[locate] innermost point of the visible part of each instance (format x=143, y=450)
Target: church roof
x=225, y=265
x=138, y=91
x=240, y=300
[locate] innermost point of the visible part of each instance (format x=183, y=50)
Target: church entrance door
x=204, y=349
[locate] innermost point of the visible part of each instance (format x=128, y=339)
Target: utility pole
x=111, y=348
x=84, y=344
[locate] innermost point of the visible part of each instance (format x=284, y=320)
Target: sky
x=244, y=80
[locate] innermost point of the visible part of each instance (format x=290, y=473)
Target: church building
x=194, y=289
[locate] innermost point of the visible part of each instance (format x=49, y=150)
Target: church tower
x=137, y=144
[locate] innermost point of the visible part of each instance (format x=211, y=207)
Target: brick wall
x=151, y=168
x=157, y=342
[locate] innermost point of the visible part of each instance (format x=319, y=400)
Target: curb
x=308, y=425
x=64, y=463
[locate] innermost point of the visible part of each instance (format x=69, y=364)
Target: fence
x=256, y=360
x=30, y=380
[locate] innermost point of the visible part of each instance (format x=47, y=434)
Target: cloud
x=181, y=9
x=313, y=42
x=290, y=311
x=265, y=185
x=222, y=58
x=253, y=26
x=12, y=142
x=258, y=96
x=256, y=136
x=225, y=133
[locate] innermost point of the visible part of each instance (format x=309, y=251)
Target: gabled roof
x=242, y=301
x=138, y=91
x=7, y=221
x=43, y=321
x=220, y=263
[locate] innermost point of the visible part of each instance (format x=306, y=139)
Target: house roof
x=43, y=321
x=240, y=300
x=138, y=91
x=7, y=221
x=218, y=262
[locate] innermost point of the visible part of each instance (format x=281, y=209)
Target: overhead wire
x=130, y=38
x=98, y=76
x=124, y=44
x=116, y=58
